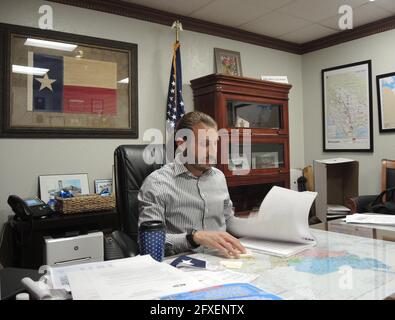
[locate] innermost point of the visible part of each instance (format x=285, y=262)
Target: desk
x=340, y=267
x=26, y=243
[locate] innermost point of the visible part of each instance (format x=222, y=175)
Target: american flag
x=175, y=103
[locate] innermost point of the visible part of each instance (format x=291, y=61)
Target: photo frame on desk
x=347, y=108
x=61, y=85
x=51, y=185
x=103, y=186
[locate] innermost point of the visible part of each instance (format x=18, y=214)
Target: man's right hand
x=228, y=245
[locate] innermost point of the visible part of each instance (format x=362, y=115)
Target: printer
x=74, y=250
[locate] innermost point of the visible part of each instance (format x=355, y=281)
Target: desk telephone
x=28, y=208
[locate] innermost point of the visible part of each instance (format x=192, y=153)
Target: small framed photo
x=227, y=62
x=53, y=185
x=386, y=101
x=103, y=187
x=242, y=123
x=264, y=160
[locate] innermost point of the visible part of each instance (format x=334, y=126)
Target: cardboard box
x=335, y=180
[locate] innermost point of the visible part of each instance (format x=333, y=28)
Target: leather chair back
x=132, y=164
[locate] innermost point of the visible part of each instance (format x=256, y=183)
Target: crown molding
x=140, y=12
x=365, y=30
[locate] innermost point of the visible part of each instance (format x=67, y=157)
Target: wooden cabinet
x=253, y=151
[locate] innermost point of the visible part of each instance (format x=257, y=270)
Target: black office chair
x=132, y=164
x=361, y=204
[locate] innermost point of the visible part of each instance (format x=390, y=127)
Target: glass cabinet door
x=264, y=155
x=255, y=115
x=267, y=156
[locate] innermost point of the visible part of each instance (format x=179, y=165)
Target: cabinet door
x=266, y=155
x=266, y=116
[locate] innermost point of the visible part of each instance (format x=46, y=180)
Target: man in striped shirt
x=189, y=195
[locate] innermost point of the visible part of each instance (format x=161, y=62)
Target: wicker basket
x=85, y=203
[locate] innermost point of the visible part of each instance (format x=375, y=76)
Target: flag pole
x=178, y=26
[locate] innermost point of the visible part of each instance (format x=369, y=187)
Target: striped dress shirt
x=184, y=202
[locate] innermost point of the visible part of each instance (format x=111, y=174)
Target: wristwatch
x=189, y=237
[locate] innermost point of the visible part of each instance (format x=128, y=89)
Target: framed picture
x=53, y=185
x=386, y=101
x=227, y=62
x=103, y=186
x=60, y=85
x=264, y=160
x=241, y=123
x=239, y=163
x=347, y=108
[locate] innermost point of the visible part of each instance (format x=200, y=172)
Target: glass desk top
x=342, y=266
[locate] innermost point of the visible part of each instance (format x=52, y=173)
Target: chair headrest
x=139, y=161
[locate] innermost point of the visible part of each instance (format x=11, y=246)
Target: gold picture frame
x=60, y=85
x=227, y=62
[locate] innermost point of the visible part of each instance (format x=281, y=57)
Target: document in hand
x=281, y=227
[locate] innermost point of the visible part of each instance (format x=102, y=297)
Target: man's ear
x=181, y=144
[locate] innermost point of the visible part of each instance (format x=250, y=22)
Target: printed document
x=281, y=227
x=381, y=219
x=136, y=278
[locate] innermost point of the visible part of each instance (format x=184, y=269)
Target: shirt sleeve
x=153, y=207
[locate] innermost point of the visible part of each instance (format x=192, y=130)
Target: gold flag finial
x=178, y=26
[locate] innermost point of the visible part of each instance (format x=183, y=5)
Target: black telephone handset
x=28, y=208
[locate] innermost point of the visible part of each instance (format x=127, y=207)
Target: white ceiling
x=297, y=21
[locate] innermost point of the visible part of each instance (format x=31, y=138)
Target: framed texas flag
x=64, y=85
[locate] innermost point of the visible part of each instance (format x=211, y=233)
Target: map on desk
x=341, y=267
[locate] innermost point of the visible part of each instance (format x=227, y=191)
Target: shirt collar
x=180, y=168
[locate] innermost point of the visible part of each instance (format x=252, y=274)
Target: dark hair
x=192, y=118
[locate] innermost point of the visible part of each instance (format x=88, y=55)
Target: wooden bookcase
x=233, y=102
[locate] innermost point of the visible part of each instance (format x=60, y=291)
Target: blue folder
x=232, y=291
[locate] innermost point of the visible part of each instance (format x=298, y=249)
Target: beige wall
x=22, y=160
x=378, y=48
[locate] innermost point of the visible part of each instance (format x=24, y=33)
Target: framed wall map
x=386, y=101
x=63, y=85
x=347, y=108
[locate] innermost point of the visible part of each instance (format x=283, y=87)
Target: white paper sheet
x=380, y=219
x=58, y=275
x=283, y=216
x=134, y=278
x=216, y=278
x=276, y=248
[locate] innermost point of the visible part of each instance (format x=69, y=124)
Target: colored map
x=388, y=102
x=347, y=107
x=341, y=266
x=322, y=262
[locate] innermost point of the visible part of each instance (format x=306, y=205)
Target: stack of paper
x=380, y=219
x=337, y=210
x=134, y=278
x=275, y=248
x=281, y=227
